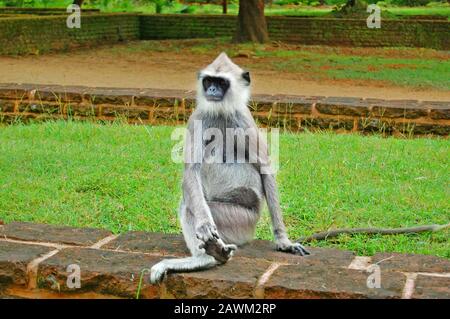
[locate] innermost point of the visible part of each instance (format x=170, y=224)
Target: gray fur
x=222, y=200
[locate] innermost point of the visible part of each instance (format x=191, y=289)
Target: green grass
x=331, y=65
x=405, y=11
x=121, y=177
x=409, y=67
x=233, y=9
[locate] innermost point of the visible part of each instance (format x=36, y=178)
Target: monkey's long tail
x=382, y=231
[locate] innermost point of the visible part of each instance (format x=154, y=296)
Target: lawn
x=121, y=177
x=420, y=68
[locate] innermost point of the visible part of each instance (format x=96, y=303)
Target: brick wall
x=349, y=32
x=32, y=34
x=170, y=107
x=186, y=26
x=24, y=35
x=34, y=260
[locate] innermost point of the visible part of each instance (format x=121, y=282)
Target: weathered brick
x=14, y=258
x=104, y=272
x=163, y=98
x=282, y=104
x=277, y=120
x=131, y=112
x=438, y=110
x=164, y=244
x=320, y=281
x=59, y=94
x=14, y=91
x=189, y=103
x=328, y=123
x=427, y=287
x=409, y=109
x=264, y=249
x=6, y=106
x=39, y=107
x=422, y=128
x=343, y=106
x=110, y=96
x=376, y=125
x=411, y=263
x=166, y=113
x=262, y=105
x=235, y=279
x=294, y=106
x=53, y=234
x=82, y=109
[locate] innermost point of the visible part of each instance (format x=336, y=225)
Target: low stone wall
x=32, y=35
x=172, y=107
x=35, y=260
x=344, y=32
x=37, y=34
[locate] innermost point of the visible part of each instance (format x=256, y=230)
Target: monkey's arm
x=194, y=198
x=192, y=186
x=271, y=193
x=193, y=193
x=260, y=159
x=279, y=230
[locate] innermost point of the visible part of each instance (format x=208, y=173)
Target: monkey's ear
x=246, y=76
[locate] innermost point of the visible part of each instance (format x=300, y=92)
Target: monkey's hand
x=287, y=246
x=213, y=245
x=206, y=231
x=218, y=249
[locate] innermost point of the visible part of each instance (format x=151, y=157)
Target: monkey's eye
x=206, y=82
x=246, y=76
x=222, y=82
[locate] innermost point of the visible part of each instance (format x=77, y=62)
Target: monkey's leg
x=199, y=259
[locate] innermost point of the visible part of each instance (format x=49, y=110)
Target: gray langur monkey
x=222, y=196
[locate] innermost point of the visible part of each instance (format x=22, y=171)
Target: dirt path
x=103, y=68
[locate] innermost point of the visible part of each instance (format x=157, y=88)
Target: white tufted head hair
x=237, y=95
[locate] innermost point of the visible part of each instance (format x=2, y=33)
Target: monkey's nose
x=212, y=90
x=213, y=93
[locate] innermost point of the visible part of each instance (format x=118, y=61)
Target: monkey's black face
x=215, y=88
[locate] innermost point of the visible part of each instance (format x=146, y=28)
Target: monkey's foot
x=293, y=248
x=218, y=249
x=157, y=272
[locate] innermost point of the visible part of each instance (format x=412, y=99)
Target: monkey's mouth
x=212, y=98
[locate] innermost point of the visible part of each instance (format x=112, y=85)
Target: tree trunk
x=224, y=7
x=78, y=2
x=251, y=25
